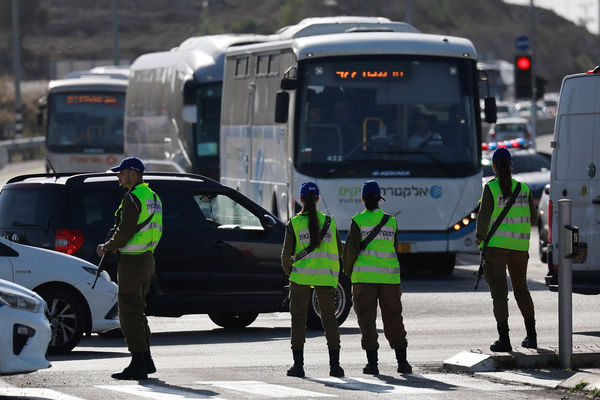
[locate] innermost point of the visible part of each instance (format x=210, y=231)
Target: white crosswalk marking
x=264, y=389
x=157, y=392
x=35, y=393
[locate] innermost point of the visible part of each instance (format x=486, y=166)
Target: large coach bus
x=84, y=120
x=173, y=109
x=342, y=100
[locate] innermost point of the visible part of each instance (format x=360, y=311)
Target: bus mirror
x=189, y=92
x=490, y=110
x=289, y=84
x=190, y=114
x=40, y=118
x=282, y=104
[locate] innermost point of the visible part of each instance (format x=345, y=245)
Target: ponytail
x=310, y=206
x=504, y=176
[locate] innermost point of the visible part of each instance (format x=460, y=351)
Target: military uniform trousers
x=496, y=261
x=365, y=296
x=134, y=274
x=300, y=296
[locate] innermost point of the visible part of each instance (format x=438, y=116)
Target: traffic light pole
x=533, y=114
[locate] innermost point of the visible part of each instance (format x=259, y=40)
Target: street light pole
x=116, y=31
x=17, y=69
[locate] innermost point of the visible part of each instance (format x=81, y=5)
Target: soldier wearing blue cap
x=138, y=228
x=371, y=262
x=310, y=257
x=507, y=247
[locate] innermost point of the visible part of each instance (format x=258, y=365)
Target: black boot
x=530, y=340
x=150, y=367
x=503, y=343
x=403, y=365
x=334, y=363
x=371, y=367
x=297, y=369
x=136, y=370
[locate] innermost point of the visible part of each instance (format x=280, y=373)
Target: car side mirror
x=269, y=222
x=490, y=110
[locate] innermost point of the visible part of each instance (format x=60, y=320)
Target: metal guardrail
x=22, y=149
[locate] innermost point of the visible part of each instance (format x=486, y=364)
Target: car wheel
x=233, y=321
x=343, y=304
x=67, y=319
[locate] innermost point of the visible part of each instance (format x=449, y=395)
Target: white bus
x=357, y=94
x=173, y=108
x=84, y=120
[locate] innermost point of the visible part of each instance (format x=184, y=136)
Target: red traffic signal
x=523, y=62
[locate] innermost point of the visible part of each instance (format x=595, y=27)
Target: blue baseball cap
x=370, y=190
x=499, y=153
x=308, y=187
x=132, y=163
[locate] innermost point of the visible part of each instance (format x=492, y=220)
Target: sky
x=581, y=12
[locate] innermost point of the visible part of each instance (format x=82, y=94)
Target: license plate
x=403, y=247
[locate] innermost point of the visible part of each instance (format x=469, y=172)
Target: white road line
x=264, y=389
x=36, y=393
x=157, y=392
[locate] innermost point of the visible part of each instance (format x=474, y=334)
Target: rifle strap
x=311, y=247
x=374, y=232
x=500, y=218
x=147, y=220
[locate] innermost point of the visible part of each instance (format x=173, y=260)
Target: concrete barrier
x=22, y=149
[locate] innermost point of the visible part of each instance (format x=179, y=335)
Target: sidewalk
x=539, y=367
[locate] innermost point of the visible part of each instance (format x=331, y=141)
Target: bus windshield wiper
x=433, y=158
x=19, y=224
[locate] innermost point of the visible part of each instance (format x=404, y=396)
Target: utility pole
x=115, y=31
x=408, y=11
x=17, y=69
x=533, y=63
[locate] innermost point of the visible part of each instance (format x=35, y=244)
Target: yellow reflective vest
x=147, y=237
x=378, y=262
x=514, y=231
x=321, y=267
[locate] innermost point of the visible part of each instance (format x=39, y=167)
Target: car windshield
x=512, y=127
x=391, y=116
x=90, y=122
x=521, y=163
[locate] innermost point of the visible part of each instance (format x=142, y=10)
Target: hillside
x=55, y=30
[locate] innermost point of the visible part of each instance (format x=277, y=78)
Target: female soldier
x=508, y=246
x=311, y=259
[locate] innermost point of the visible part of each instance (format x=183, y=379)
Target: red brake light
x=550, y=221
x=68, y=240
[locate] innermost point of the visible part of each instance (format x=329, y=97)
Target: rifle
x=104, y=259
x=492, y=230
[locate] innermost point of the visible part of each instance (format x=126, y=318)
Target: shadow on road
x=384, y=384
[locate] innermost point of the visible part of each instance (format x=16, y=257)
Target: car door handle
x=220, y=243
x=596, y=201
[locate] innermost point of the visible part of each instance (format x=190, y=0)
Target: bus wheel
x=343, y=304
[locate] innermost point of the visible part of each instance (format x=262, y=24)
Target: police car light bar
x=507, y=144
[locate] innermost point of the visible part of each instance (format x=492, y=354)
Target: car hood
x=11, y=287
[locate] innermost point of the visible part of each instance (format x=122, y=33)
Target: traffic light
x=522, y=77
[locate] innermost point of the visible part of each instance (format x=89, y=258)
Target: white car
x=65, y=283
x=24, y=330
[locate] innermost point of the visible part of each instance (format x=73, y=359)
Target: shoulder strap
x=374, y=232
x=498, y=220
x=311, y=247
x=147, y=220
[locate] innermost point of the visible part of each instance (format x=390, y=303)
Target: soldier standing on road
x=371, y=262
x=509, y=246
x=311, y=260
x=138, y=230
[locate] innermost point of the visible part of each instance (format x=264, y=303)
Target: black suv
x=219, y=253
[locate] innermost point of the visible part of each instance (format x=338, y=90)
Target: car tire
x=343, y=304
x=67, y=319
x=233, y=321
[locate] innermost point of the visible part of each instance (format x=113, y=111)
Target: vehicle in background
x=173, y=106
x=84, y=120
x=511, y=128
x=64, y=282
x=576, y=151
x=24, y=330
x=528, y=166
x=524, y=109
x=354, y=90
x=506, y=109
x=544, y=211
x=220, y=253
x=551, y=102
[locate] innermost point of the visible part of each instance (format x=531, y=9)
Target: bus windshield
x=85, y=122
x=387, y=116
